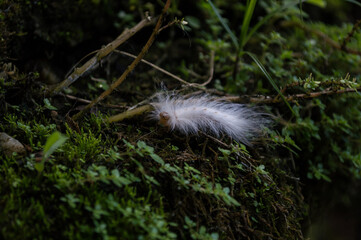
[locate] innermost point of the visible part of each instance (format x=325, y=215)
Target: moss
x=109, y=188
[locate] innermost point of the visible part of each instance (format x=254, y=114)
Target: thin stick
x=103, y=52
x=355, y=27
x=129, y=68
x=168, y=25
x=215, y=139
x=261, y=99
x=82, y=59
x=211, y=70
x=130, y=113
x=155, y=67
x=195, y=85
x=88, y=101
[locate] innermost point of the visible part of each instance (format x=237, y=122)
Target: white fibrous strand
x=203, y=113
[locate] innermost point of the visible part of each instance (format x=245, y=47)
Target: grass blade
x=264, y=71
x=354, y=2
x=224, y=24
x=246, y=21
x=267, y=17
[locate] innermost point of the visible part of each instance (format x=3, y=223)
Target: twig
x=155, y=67
x=321, y=35
x=211, y=70
x=195, y=85
x=103, y=52
x=350, y=34
x=168, y=25
x=76, y=64
x=130, y=113
x=88, y=101
x=129, y=68
x=196, y=75
x=284, y=89
x=260, y=99
x=291, y=85
x=215, y=139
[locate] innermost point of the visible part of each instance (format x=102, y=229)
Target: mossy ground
x=136, y=180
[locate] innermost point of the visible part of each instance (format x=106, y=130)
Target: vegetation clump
x=85, y=176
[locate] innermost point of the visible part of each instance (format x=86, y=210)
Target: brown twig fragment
x=130, y=113
x=88, y=101
x=195, y=85
x=130, y=67
x=168, y=25
x=350, y=34
x=103, y=52
x=155, y=67
x=261, y=99
x=211, y=70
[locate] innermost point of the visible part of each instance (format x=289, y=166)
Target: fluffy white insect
x=202, y=113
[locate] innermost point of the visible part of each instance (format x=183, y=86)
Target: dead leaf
x=9, y=145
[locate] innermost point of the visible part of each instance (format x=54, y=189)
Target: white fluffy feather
x=202, y=113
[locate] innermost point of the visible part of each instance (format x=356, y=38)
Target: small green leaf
x=193, y=22
x=141, y=144
x=48, y=104
x=39, y=166
x=156, y=158
x=53, y=142
x=224, y=151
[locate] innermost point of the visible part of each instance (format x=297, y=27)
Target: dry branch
x=130, y=113
x=130, y=67
x=195, y=85
x=155, y=67
x=101, y=53
x=261, y=99
x=355, y=27
x=82, y=100
x=211, y=70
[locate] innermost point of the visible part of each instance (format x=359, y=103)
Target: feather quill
x=202, y=113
